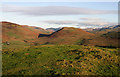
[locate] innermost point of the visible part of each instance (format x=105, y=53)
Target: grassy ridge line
x=61, y=60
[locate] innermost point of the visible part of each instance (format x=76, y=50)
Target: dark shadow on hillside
x=42, y=35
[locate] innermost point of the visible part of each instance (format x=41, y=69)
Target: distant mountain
x=21, y=33
x=53, y=29
x=103, y=30
x=88, y=29
x=115, y=27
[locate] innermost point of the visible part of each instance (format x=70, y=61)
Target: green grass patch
x=12, y=34
x=60, y=60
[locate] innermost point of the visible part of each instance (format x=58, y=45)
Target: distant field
x=60, y=60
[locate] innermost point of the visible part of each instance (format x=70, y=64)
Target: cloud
x=95, y=24
x=61, y=22
x=80, y=24
x=86, y=22
x=54, y=10
x=92, y=19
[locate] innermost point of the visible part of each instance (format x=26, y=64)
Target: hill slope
x=67, y=35
x=70, y=35
x=112, y=34
x=20, y=33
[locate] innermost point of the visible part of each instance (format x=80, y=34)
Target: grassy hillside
x=60, y=60
x=75, y=36
x=67, y=35
x=22, y=33
x=112, y=34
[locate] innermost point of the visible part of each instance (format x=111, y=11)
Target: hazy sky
x=60, y=14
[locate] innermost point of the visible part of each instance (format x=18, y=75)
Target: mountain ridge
x=65, y=35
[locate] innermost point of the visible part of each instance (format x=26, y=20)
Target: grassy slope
x=69, y=35
x=14, y=32
x=109, y=36
x=113, y=34
x=60, y=59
